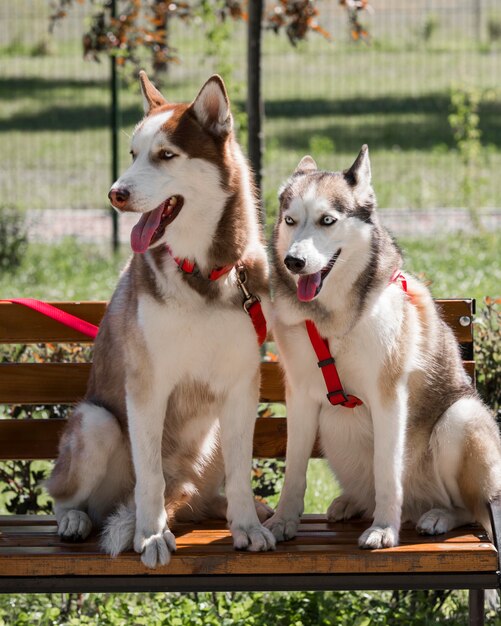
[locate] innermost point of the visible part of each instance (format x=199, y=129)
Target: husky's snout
x=294, y=264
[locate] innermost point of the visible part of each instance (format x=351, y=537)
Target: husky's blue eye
x=289, y=221
x=327, y=220
x=166, y=155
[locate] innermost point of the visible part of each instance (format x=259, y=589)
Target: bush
x=13, y=238
x=494, y=29
x=488, y=353
x=429, y=28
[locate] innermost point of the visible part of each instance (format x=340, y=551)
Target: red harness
x=326, y=362
x=251, y=303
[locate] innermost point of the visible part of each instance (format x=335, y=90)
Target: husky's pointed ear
x=212, y=107
x=152, y=98
x=306, y=164
x=358, y=176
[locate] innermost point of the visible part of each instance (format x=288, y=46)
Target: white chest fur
x=211, y=344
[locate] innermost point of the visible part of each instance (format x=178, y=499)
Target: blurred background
x=425, y=80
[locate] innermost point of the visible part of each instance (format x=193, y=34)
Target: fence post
x=114, y=132
x=255, y=111
x=480, y=27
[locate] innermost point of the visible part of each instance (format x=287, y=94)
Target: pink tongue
x=307, y=286
x=142, y=232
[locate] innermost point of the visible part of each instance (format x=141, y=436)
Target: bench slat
x=209, y=550
x=18, y=324
x=30, y=439
x=65, y=383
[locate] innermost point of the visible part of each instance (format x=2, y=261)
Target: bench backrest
x=65, y=383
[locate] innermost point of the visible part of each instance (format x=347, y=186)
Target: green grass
x=325, y=98
x=460, y=265
x=457, y=265
x=66, y=271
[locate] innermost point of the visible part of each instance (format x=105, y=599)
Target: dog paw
x=434, y=522
x=74, y=526
x=253, y=538
x=342, y=508
x=377, y=537
x=155, y=550
x=263, y=511
x=282, y=528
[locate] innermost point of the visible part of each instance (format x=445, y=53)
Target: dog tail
x=118, y=531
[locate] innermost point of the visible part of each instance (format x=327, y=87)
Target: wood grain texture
x=452, y=311
x=28, y=439
x=65, y=383
x=30, y=547
x=50, y=383
x=43, y=383
x=18, y=324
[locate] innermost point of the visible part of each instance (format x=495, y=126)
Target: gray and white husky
x=175, y=380
x=422, y=446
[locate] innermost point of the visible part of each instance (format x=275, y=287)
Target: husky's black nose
x=119, y=197
x=294, y=264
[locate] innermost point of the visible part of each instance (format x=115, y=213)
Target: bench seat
x=30, y=547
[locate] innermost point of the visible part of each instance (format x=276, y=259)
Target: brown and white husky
x=422, y=446
x=171, y=400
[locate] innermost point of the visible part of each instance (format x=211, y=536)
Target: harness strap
x=335, y=391
x=255, y=312
x=252, y=304
x=327, y=364
x=72, y=321
x=397, y=276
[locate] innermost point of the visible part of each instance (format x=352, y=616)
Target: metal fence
x=322, y=97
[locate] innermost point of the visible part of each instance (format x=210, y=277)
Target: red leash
x=326, y=362
x=72, y=321
x=251, y=304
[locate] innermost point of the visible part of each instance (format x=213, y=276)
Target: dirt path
x=96, y=225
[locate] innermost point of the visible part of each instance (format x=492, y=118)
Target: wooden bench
x=323, y=556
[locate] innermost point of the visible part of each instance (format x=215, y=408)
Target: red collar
x=251, y=303
x=335, y=391
x=190, y=267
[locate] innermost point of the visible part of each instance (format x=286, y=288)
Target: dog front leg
x=237, y=427
x=146, y=415
x=302, y=428
x=389, y=418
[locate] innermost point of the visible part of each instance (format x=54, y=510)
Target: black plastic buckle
x=336, y=393
x=325, y=362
